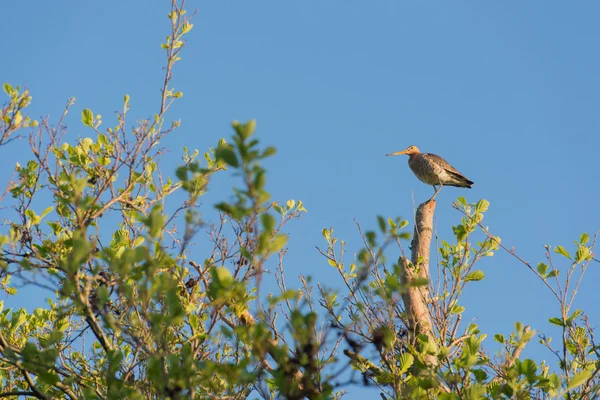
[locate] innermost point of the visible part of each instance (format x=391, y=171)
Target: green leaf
x=382, y=224
x=223, y=275
x=87, y=117
x=268, y=222
x=269, y=151
x=575, y=314
x=417, y=282
x=186, y=27
x=301, y=206
x=561, y=250
x=228, y=156
x=498, y=337
x=8, y=89
x=34, y=219
x=542, y=269
x=259, y=181
x=476, y=275
x=405, y=361
x=290, y=204
x=584, y=238
x=579, y=379
x=456, y=309
x=460, y=232
x=18, y=318
x=480, y=375
x=244, y=131
x=449, y=396
x=482, y=205
x=528, y=368
x=155, y=221
x=225, y=207
x=278, y=242
x=553, y=273
x=46, y=211
x=583, y=254
x=556, y=321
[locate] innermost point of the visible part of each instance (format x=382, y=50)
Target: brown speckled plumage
x=433, y=169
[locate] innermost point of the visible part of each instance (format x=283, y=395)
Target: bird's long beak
x=397, y=153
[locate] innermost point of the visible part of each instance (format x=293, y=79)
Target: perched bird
x=433, y=170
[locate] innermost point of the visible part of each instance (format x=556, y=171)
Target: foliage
x=129, y=315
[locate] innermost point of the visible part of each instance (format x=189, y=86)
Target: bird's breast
x=425, y=170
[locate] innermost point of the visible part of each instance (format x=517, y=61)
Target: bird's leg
x=436, y=191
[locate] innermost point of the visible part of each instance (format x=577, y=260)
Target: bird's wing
x=439, y=161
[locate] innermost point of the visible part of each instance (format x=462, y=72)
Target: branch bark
x=416, y=298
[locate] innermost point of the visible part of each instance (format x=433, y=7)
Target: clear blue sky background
x=508, y=92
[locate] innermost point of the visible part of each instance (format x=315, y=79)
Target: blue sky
x=507, y=92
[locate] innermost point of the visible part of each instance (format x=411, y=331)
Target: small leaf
x=405, y=361
x=476, y=275
x=456, y=309
x=584, y=238
x=268, y=222
x=498, y=337
x=46, y=211
x=227, y=155
x=579, y=379
x=417, y=282
x=269, y=151
x=8, y=89
x=290, y=204
x=18, y=118
x=382, y=224
x=528, y=368
x=482, y=205
x=225, y=207
x=223, y=276
x=553, y=273
x=155, y=221
x=186, y=27
x=575, y=314
x=542, y=269
x=583, y=254
x=301, y=206
x=460, y=232
x=87, y=117
x=278, y=242
x=556, y=321
x=561, y=250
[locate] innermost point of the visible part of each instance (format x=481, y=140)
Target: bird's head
x=410, y=150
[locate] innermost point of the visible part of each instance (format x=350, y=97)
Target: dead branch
x=416, y=297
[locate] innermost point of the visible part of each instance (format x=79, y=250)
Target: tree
x=130, y=315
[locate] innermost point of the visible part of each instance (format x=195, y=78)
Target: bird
x=433, y=170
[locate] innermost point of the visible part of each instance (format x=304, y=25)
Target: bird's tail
x=459, y=180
